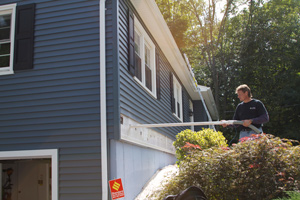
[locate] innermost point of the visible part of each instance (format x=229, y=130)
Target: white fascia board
x=153, y=19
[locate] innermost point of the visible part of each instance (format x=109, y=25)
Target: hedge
x=259, y=167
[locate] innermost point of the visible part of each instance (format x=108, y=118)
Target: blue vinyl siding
x=112, y=69
x=199, y=114
x=138, y=165
x=186, y=106
x=56, y=104
x=136, y=102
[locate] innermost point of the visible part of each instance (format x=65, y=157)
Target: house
x=75, y=75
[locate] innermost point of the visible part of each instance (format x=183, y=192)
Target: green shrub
x=292, y=195
x=206, y=138
x=263, y=167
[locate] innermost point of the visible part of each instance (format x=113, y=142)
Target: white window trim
x=145, y=39
x=10, y=8
x=176, y=85
x=36, y=154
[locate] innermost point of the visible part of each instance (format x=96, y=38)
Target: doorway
x=30, y=174
x=26, y=179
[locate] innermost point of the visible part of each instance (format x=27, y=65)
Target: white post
x=103, y=131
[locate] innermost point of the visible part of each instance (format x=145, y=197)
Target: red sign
x=116, y=189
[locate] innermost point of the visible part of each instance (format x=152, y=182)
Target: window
x=7, y=35
x=16, y=37
x=144, y=48
x=177, y=92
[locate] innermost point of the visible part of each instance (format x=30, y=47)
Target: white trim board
x=103, y=121
x=37, y=154
x=145, y=137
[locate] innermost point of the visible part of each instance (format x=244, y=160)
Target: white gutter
x=103, y=130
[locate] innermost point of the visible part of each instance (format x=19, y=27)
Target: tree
x=269, y=61
x=207, y=38
x=178, y=22
x=258, y=45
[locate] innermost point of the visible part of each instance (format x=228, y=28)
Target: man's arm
x=262, y=118
x=263, y=115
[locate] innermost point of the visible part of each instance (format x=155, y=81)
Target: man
x=250, y=111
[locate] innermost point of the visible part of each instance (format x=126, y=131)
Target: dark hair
x=244, y=88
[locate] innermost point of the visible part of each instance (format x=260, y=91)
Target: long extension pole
x=229, y=122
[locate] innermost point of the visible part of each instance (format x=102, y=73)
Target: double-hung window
x=16, y=37
x=177, y=91
x=7, y=35
x=145, y=72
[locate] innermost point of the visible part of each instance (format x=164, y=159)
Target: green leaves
x=200, y=140
x=263, y=167
x=292, y=196
x=268, y=58
x=257, y=43
x=174, y=12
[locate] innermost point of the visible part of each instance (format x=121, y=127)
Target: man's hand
x=247, y=122
x=224, y=125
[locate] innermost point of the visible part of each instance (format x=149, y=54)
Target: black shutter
x=157, y=76
x=172, y=93
x=24, y=37
x=131, y=53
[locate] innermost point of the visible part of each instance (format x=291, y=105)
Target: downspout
x=206, y=110
x=103, y=122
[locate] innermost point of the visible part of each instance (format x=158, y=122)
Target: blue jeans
x=248, y=133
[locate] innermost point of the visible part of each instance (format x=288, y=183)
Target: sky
x=220, y=6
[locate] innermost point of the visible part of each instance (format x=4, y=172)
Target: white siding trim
x=145, y=137
x=103, y=130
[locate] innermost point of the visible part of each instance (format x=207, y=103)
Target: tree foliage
x=174, y=12
x=268, y=62
x=254, y=42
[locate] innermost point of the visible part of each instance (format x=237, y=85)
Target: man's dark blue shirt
x=254, y=110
